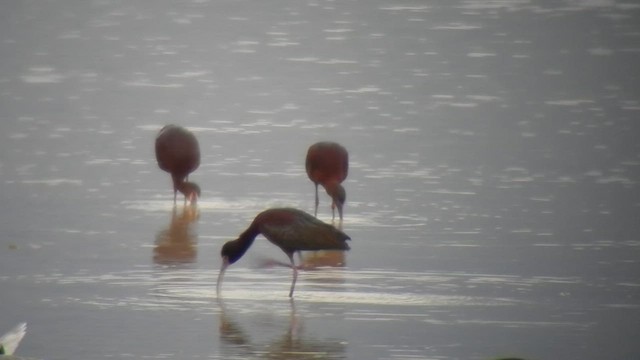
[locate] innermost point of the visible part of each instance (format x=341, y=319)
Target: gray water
x=492, y=197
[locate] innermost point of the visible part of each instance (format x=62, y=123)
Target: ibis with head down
x=289, y=229
x=178, y=153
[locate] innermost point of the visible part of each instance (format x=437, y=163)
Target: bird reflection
x=291, y=345
x=314, y=260
x=177, y=243
x=323, y=258
x=232, y=334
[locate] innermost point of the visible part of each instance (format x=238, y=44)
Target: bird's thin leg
x=294, y=325
x=333, y=210
x=295, y=274
x=315, y=213
x=175, y=188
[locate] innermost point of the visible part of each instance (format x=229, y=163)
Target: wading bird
x=289, y=229
x=9, y=342
x=178, y=153
x=327, y=164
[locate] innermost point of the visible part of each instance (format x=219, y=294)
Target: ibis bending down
x=178, y=153
x=327, y=164
x=289, y=229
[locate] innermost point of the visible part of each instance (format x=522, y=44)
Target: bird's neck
x=186, y=187
x=249, y=235
x=244, y=241
x=335, y=190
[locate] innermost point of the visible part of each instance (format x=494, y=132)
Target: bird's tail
x=9, y=342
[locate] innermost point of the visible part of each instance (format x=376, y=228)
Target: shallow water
x=491, y=199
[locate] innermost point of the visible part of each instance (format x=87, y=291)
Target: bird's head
x=190, y=190
x=338, y=194
x=232, y=251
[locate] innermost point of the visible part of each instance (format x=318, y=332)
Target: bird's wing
x=10, y=341
x=307, y=234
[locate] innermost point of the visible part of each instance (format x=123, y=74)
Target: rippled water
x=491, y=200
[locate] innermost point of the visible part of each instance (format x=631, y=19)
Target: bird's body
x=9, y=342
x=178, y=153
x=327, y=164
x=289, y=229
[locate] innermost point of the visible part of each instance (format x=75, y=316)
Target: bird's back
x=327, y=161
x=177, y=150
x=294, y=230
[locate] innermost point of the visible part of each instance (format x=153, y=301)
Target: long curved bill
x=225, y=264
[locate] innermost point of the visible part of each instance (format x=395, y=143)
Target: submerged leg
x=295, y=274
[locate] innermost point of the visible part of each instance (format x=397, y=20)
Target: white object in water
x=9, y=342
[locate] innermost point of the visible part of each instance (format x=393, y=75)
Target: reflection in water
x=322, y=258
x=315, y=260
x=338, y=225
x=291, y=345
x=177, y=243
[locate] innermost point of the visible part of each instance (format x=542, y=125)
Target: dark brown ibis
x=289, y=229
x=327, y=164
x=178, y=153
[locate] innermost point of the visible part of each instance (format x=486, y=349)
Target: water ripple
x=181, y=289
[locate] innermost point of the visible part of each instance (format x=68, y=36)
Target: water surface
x=491, y=200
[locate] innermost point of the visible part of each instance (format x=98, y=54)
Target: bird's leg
x=315, y=213
x=176, y=181
x=333, y=210
x=186, y=179
x=294, y=325
x=295, y=274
